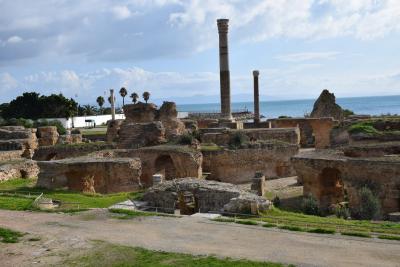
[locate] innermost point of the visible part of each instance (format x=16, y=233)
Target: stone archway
x=165, y=166
x=331, y=188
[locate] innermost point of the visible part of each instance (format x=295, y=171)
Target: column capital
x=256, y=73
x=223, y=25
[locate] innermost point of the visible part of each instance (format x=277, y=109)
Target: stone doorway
x=164, y=165
x=331, y=188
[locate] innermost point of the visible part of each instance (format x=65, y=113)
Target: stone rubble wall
x=21, y=168
x=94, y=175
x=18, y=138
x=382, y=173
x=306, y=131
x=210, y=196
x=186, y=162
x=240, y=165
x=45, y=153
x=48, y=135
x=223, y=136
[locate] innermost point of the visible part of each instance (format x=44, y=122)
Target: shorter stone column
x=112, y=104
x=258, y=184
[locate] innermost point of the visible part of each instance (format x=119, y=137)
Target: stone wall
x=94, y=175
x=68, y=151
x=10, y=155
x=48, y=135
x=240, y=165
x=328, y=174
x=208, y=196
x=171, y=161
x=22, y=168
x=18, y=138
x=306, y=131
x=135, y=135
x=223, y=136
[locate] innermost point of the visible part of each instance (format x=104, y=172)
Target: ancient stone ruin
x=326, y=106
x=330, y=176
x=93, y=175
x=193, y=195
x=145, y=125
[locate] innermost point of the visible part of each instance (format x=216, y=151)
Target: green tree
x=134, y=97
x=89, y=110
x=123, y=92
x=369, y=205
x=146, y=96
x=34, y=106
x=100, y=101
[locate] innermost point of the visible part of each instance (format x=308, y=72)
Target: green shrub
x=358, y=234
x=310, y=205
x=347, y=112
x=247, y=222
x=276, y=201
x=363, y=127
x=321, y=231
x=224, y=220
x=9, y=236
x=237, y=139
x=27, y=123
x=369, y=205
x=342, y=212
x=185, y=139
x=292, y=228
x=269, y=225
x=389, y=237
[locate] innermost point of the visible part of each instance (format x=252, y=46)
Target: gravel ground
x=62, y=234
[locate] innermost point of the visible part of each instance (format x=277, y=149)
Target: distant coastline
x=373, y=105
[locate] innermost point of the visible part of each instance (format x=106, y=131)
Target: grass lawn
x=77, y=199
x=278, y=216
x=105, y=254
x=9, y=236
x=293, y=221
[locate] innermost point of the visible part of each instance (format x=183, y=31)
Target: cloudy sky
x=170, y=47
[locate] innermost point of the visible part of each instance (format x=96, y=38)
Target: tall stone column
x=224, y=69
x=256, y=73
x=112, y=104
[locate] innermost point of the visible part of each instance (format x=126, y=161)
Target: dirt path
x=61, y=232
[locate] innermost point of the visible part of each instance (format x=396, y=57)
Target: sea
x=371, y=105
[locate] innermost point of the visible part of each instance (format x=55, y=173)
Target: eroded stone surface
x=101, y=175
x=325, y=106
x=208, y=195
x=48, y=135
x=21, y=168
x=327, y=173
x=239, y=165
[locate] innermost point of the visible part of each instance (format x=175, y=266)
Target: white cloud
x=121, y=12
x=306, y=56
x=14, y=39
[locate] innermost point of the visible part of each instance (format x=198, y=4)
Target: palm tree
x=134, y=97
x=146, y=96
x=123, y=92
x=89, y=110
x=100, y=102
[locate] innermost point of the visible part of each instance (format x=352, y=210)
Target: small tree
x=146, y=96
x=310, y=205
x=100, y=102
x=238, y=139
x=134, y=97
x=369, y=205
x=123, y=92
